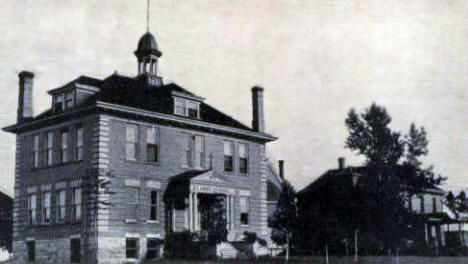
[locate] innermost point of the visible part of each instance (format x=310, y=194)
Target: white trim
x=30, y=239
x=244, y=192
x=61, y=185
x=132, y=182
x=153, y=236
x=32, y=189
x=46, y=187
x=132, y=235
x=75, y=236
x=153, y=184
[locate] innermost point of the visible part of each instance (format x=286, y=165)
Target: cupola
x=147, y=54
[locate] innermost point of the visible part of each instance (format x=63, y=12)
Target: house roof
x=138, y=93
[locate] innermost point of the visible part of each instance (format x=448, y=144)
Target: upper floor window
x=154, y=206
x=228, y=155
x=49, y=146
x=36, y=151
x=64, y=101
x=131, y=142
x=151, y=145
x=76, y=204
x=199, y=155
x=243, y=158
x=422, y=205
x=185, y=107
x=61, y=206
x=79, y=143
x=63, y=146
x=131, y=203
x=46, y=203
x=32, y=209
x=186, y=150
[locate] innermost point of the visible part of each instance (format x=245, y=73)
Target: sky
x=315, y=60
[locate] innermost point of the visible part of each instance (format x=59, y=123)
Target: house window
x=64, y=146
x=152, y=248
x=49, y=145
x=131, y=142
x=32, y=209
x=31, y=246
x=154, y=206
x=186, y=107
x=131, y=203
x=46, y=203
x=61, y=209
x=151, y=145
x=76, y=204
x=192, y=109
x=59, y=103
x=434, y=205
x=243, y=158
x=199, y=156
x=69, y=99
x=131, y=248
x=186, y=150
x=244, y=210
x=79, y=143
x=179, y=108
x=228, y=160
x=75, y=250
x=36, y=151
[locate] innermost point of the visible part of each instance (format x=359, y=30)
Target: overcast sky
x=315, y=59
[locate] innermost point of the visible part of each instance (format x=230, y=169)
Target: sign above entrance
x=211, y=189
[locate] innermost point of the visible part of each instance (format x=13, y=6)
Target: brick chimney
x=25, y=100
x=341, y=163
x=281, y=168
x=258, y=118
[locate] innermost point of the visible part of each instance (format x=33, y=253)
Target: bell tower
x=147, y=55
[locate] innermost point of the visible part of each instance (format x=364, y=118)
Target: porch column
x=425, y=233
x=190, y=215
x=228, y=212
x=195, y=209
x=233, y=219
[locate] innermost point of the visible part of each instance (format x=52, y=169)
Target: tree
x=370, y=135
x=450, y=200
x=213, y=218
x=416, y=142
x=284, y=220
x=461, y=202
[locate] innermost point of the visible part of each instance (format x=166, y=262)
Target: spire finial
x=147, y=14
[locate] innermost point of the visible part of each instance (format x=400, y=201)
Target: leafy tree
x=461, y=202
x=450, y=200
x=284, y=220
x=416, y=142
x=213, y=218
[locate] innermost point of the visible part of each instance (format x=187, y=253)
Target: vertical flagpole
x=147, y=14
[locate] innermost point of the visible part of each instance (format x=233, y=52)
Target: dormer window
x=64, y=100
x=186, y=107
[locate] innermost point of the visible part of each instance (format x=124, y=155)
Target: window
x=243, y=158
x=131, y=203
x=154, y=206
x=31, y=245
x=79, y=143
x=63, y=146
x=131, y=248
x=434, y=205
x=61, y=206
x=244, y=209
x=46, y=207
x=32, y=209
x=186, y=150
x=152, y=248
x=186, y=107
x=179, y=106
x=131, y=142
x=151, y=145
x=228, y=161
x=59, y=105
x=49, y=145
x=69, y=99
x=192, y=108
x=76, y=204
x=36, y=151
x=199, y=161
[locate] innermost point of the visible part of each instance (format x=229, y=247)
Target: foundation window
x=131, y=248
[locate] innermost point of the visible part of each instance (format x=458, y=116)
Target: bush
x=187, y=246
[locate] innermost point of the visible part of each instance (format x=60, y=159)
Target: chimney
x=258, y=121
x=341, y=163
x=25, y=102
x=281, y=168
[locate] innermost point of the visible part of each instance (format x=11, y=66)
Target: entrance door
x=75, y=249
x=212, y=210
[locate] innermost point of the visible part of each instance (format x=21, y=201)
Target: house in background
x=162, y=152
x=6, y=221
x=336, y=187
